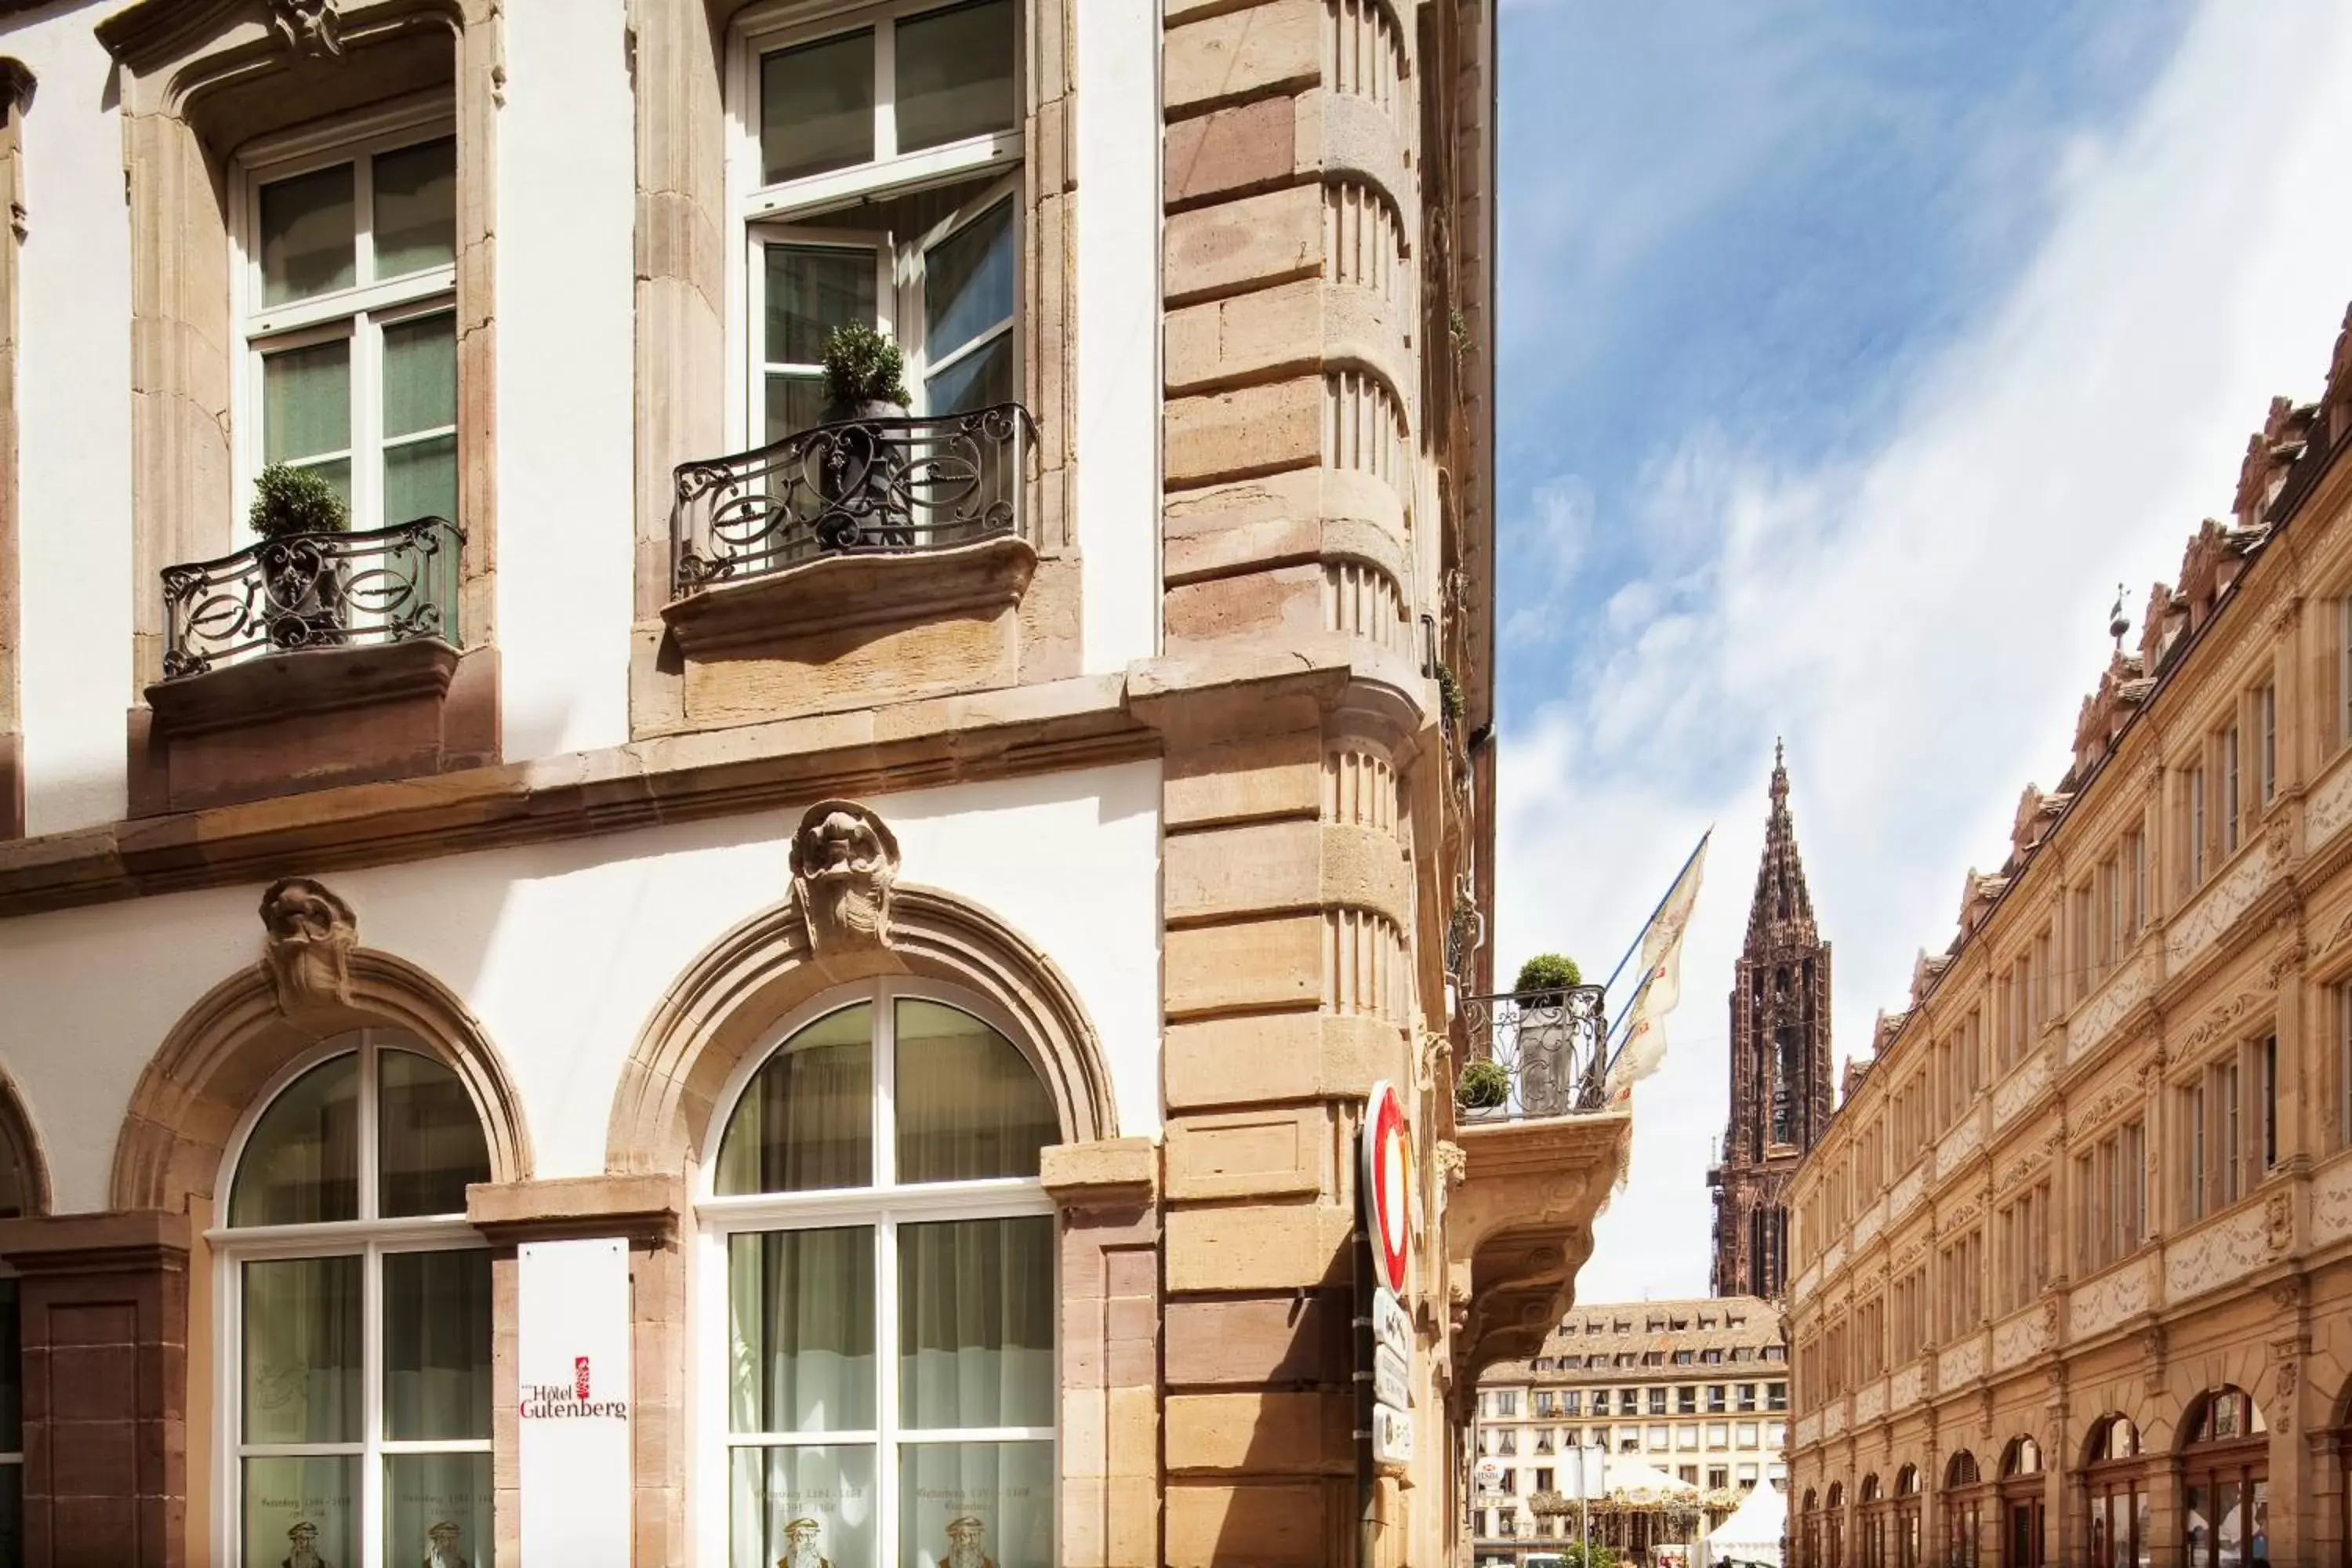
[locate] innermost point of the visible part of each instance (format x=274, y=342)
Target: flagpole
x=1644, y=929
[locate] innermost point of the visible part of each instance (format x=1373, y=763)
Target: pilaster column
x=105, y=1354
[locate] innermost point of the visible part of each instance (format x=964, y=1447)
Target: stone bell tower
x=1780, y=1064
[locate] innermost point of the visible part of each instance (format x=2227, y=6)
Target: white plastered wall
x=566, y=376
x=1118, y=161
x=562, y=951
x=73, y=408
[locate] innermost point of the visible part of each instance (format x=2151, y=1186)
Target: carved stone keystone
x=844, y=860
x=307, y=955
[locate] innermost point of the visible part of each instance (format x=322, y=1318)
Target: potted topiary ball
x=858, y=466
x=1483, y=1086
x=1547, y=975
x=303, y=581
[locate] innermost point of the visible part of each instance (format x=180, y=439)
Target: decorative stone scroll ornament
x=844, y=862
x=307, y=953
x=309, y=26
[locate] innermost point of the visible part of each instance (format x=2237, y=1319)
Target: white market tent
x=1638, y=1482
x=1752, y=1533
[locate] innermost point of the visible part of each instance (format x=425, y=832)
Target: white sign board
x=1391, y=1436
x=1391, y=1325
x=1486, y=1474
x=572, y=1351
x=1392, y=1378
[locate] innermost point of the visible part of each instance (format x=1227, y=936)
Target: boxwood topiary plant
x=1549, y=971
x=1483, y=1086
x=862, y=368
x=289, y=500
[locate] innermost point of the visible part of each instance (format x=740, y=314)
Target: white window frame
x=232, y=1247
x=884, y=1207
x=359, y=312
x=763, y=213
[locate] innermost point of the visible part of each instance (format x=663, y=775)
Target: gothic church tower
x=1780, y=1064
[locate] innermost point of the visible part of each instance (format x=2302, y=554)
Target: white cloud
x=1923, y=621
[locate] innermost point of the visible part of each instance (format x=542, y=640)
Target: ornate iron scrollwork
x=857, y=486
x=313, y=591
x=1552, y=1047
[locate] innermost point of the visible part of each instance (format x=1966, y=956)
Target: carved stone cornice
x=1520, y=1225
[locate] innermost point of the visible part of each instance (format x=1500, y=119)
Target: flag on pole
x=1661, y=986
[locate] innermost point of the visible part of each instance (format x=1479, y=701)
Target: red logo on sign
x=580, y=1378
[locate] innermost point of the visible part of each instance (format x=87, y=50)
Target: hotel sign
x=573, y=1354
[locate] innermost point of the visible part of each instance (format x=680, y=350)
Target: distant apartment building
x=1697, y=1390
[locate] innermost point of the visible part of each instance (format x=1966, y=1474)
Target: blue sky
x=1851, y=354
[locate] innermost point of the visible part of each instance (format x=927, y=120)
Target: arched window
x=1833, y=1532
x=2021, y=1504
x=883, y=1259
x=355, y=1310
x=1963, y=1510
x=1870, y=1550
x=1907, y=1516
x=1809, y=1548
x=2115, y=1486
x=2225, y=1494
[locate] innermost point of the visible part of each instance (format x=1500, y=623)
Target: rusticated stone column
x=105, y=1316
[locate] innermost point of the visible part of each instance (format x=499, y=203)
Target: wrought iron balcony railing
x=861, y=486
x=313, y=591
x=1534, y=1053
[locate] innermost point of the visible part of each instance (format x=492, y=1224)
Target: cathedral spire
x=1783, y=911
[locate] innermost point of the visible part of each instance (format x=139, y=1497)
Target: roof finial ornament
x=2119, y=622
x=1780, y=774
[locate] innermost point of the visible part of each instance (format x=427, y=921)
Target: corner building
x=864, y=944
x=2074, y=1256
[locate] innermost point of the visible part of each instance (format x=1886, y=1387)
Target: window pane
x=416, y=208
x=967, y=282
x=436, y=1345
x=795, y=403
x=979, y=380
x=436, y=1511
x=801, y=1316
x=968, y=1103
x=965, y=1503
x=812, y=288
x=308, y=234
x=306, y=401
x=976, y=1323
x=420, y=374
x=302, y=1351
x=302, y=1511
x=806, y=1118
x=302, y=1162
x=801, y=1506
x=817, y=107
x=955, y=74
x=420, y=479
x=430, y=1140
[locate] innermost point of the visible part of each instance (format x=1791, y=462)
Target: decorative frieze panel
x=2327, y=808
x=1961, y=1364
x=2331, y=1202
x=1809, y=1430
x=1805, y=1281
x=2124, y=991
x=2020, y=1088
x=1957, y=1146
x=1870, y=1403
x=2026, y=1334
x=2114, y=1296
x=1834, y=1258
x=1905, y=1389
x=1906, y=1192
x=1833, y=1418
x=2226, y=1250
x=2198, y=926
x=1867, y=1225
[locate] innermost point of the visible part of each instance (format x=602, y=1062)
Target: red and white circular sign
x=1388, y=1194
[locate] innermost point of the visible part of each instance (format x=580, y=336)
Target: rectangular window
x=1657, y=1401
x=349, y=323
x=2229, y=1141
x=2192, y=1117
x=884, y=196
x=2266, y=761
x=2266, y=1068
x=2135, y=882
x=2230, y=825
x=1749, y=1435
x=2196, y=835
x=2111, y=911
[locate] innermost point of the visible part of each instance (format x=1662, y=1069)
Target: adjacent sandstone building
x=717, y=958
x=1780, y=1064
x=2074, y=1256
